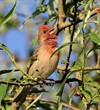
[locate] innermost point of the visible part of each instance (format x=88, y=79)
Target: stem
x=83, y=59
x=71, y=39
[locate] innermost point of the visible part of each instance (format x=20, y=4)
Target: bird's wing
x=33, y=58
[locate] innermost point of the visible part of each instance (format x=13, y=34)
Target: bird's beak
x=51, y=31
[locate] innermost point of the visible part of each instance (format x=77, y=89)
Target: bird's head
x=45, y=33
x=43, y=30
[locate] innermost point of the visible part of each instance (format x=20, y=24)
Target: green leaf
x=77, y=65
x=7, y=17
x=87, y=94
x=35, y=101
x=41, y=1
x=94, y=38
x=3, y=87
x=62, y=46
x=6, y=49
x=54, y=16
x=93, y=49
x=93, y=84
x=11, y=56
x=59, y=104
x=71, y=94
x=42, y=9
x=34, y=41
x=61, y=88
x=6, y=71
x=96, y=97
x=37, y=12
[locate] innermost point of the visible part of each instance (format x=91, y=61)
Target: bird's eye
x=44, y=31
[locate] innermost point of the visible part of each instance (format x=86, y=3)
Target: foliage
x=80, y=88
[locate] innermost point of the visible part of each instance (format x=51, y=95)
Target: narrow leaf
x=6, y=49
x=87, y=94
x=93, y=49
x=59, y=104
x=71, y=94
x=35, y=101
x=62, y=46
x=50, y=19
x=34, y=41
x=37, y=12
x=94, y=38
x=7, y=17
x=61, y=88
x=93, y=84
x=6, y=71
x=42, y=9
x=3, y=87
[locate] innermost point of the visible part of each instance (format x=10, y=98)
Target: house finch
x=43, y=65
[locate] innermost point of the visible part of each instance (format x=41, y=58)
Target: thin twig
x=79, y=19
x=48, y=82
x=63, y=104
x=47, y=100
x=90, y=68
x=71, y=40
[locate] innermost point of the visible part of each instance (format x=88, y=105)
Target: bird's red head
x=43, y=30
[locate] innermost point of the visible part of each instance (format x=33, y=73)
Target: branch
x=91, y=68
x=63, y=104
x=7, y=71
x=61, y=12
x=30, y=99
x=64, y=25
x=46, y=82
x=72, y=35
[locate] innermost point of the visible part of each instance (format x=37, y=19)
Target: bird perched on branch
x=43, y=65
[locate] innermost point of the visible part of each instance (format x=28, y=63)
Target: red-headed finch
x=43, y=65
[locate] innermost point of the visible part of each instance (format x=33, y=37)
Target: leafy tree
x=77, y=23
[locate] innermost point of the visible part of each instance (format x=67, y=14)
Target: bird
x=43, y=65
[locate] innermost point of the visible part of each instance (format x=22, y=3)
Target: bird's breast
x=45, y=65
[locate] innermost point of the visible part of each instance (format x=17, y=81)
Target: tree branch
x=30, y=98
x=79, y=19
x=46, y=82
x=91, y=68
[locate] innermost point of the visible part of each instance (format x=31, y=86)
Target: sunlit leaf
x=50, y=19
x=6, y=71
x=93, y=84
x=96, y=97
x=61, y=88
x=51, y=7
x=7, y=17
x=42, y=9
x=34, y=41
x=62, y=46
x=77, y=65
x=87, y=94
x=71, y=94
x=59, y=104
x=11, y=56
x=94, y=38
x=35, y=101
x=3, y=87
x=37, y=12
x=42, y=1
x=93, y=49
x=6, y=49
